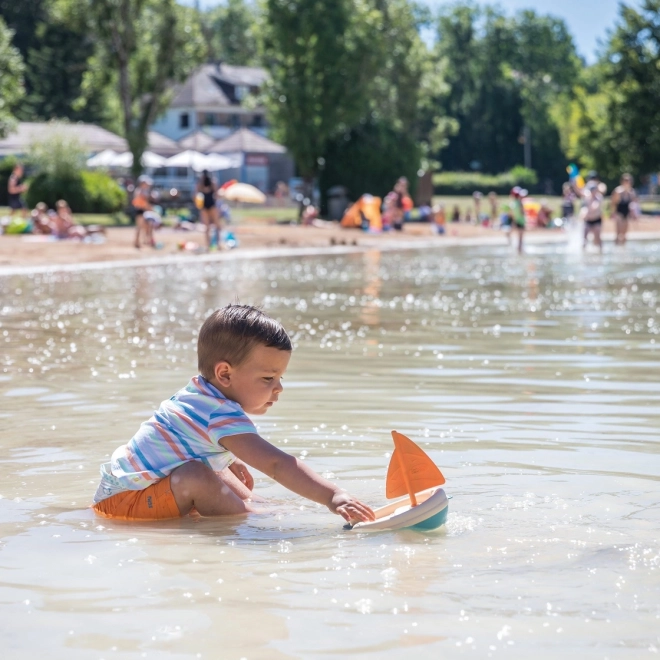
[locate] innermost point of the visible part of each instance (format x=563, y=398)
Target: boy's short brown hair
x=230, y=333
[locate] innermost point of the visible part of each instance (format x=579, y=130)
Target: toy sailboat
x=415, y=480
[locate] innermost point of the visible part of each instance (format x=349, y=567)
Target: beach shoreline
x=24, y=254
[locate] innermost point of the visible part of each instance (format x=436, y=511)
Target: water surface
x=532, y=382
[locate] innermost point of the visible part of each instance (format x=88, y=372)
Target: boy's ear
x=222, y=373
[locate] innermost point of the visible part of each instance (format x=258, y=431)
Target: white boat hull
x=430, y=512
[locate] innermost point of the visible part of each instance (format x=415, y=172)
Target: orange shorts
x=153, y=503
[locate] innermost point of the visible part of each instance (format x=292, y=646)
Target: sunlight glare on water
x=532, y=382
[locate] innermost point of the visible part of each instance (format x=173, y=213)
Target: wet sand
x=34, y=251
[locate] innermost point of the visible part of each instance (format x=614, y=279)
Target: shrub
x=47, y=188
x=103, y=194
x=58, y=155
x=87, y=192
x=465, y=183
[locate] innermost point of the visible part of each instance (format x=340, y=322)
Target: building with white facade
x=212, y=99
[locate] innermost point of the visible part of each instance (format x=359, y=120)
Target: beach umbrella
x=243, y=192
x=102, y=159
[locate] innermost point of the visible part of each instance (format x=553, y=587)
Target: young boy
x=191, y=453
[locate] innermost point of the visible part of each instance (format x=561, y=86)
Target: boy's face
x=256, y=383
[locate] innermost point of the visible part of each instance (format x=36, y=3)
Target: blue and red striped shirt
x=188, y=427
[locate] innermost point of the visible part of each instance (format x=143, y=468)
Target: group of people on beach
x=591, y=198
x=57, y=222
x=148, y=218
x=623, y=207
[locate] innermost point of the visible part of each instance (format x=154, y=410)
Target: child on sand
x=192, y=453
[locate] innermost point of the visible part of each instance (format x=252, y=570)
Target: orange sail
x=411, y=470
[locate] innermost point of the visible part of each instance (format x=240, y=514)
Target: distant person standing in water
x=208, y=212
x=518, y=213
x=622, y=204
x=592, y=211
x=15, y=188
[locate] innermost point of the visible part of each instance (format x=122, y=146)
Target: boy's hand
x=349, y=508
x=240, y=470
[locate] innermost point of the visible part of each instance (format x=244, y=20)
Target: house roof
x=248, y=76
x=212, y=85
x=162, y=145
x=248, y=142
x=92, y=138
x=199, y=140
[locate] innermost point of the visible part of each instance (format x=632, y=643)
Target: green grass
x=264, y=214
x=466, y=203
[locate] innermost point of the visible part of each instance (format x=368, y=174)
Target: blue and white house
x=212, y=99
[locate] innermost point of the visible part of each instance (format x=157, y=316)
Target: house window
x=257, y=121
x=184, y=120
x=235, y=121
x=209, y=119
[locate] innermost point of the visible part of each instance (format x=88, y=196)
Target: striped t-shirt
x=188, y=427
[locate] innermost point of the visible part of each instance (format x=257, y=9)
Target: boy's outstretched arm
x=295, y=475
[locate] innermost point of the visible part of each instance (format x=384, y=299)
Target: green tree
x=628, y=136
x=505, y=75
x=231, y=32
x=322, y=58
x=401, y=123
x=483, y=99
x=55, y=54
x=23, y=17
x=11, y=79
x=142, y=47
x=54, y=73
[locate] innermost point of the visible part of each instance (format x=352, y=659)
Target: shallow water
x=532, y=382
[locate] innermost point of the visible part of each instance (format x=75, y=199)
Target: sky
x=588, y=20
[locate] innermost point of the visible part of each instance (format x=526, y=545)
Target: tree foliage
x=56, y=53
x=400, y=124
x=11, y=79
x=322, y=58
x=504, y=74
x=354, y=89
x=231, y=33
x=142, y=47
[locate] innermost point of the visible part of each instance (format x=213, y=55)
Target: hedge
x=88, y=192
x=466, y=183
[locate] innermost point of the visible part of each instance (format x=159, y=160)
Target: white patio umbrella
x=149, y=159
x=102, y=159
x=217, y=162
x=198, y=161
x=188, y=158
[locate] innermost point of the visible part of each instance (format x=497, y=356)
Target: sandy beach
x=36, y=251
